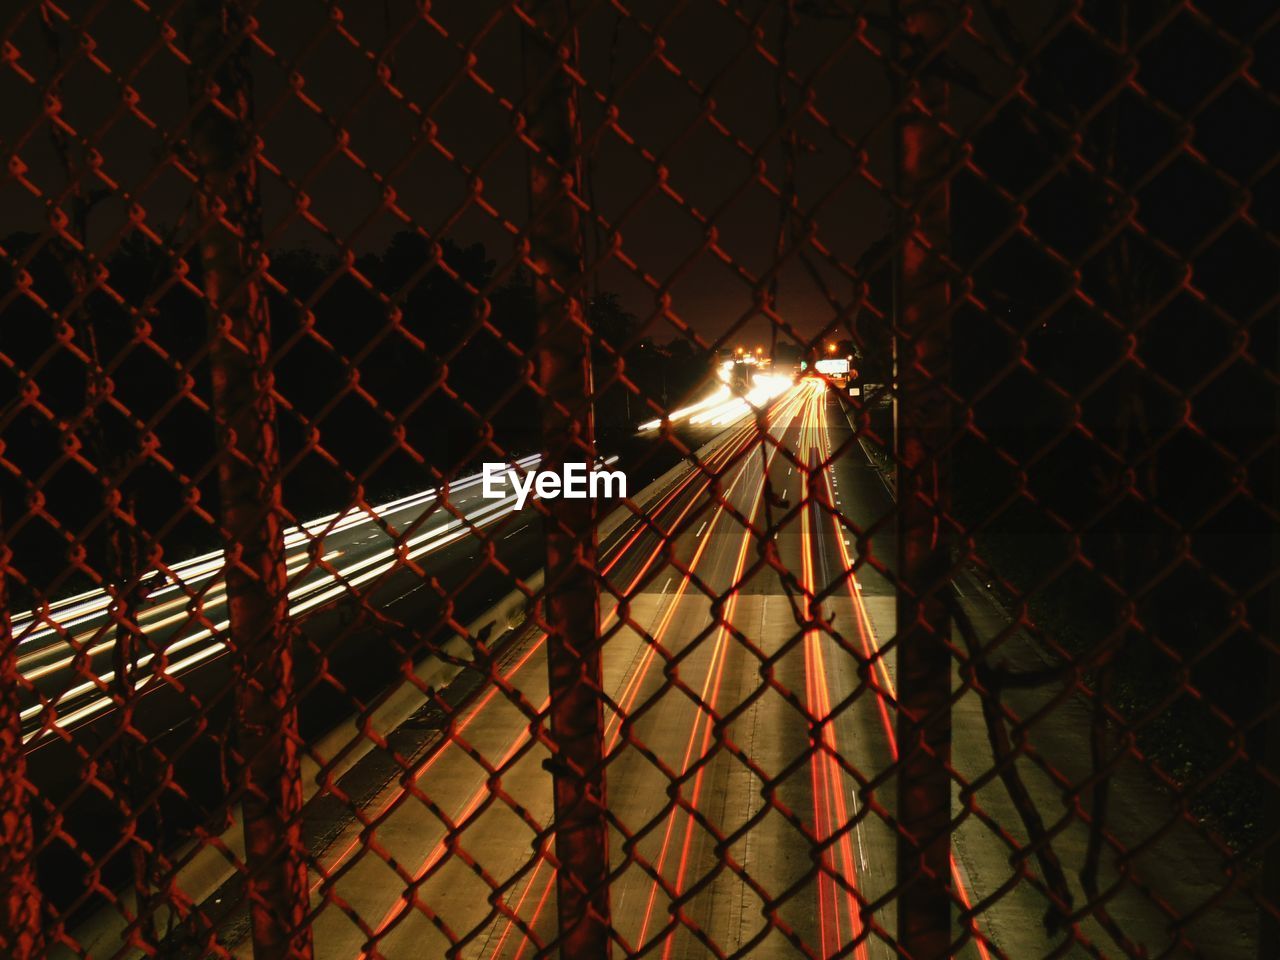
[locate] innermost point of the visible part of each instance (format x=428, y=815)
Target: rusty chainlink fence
x=968, y=652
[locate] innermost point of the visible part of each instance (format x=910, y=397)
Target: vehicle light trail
x=828, y=779
x=725, y=453
x=869, y=643
x=631, y=691
x=785, y=410
x=83, y=644
x=719, y=653
x=302, y=599
x=618, y=553
x=722, y=406
x=708, y=695
x=83, y=607
x=718, y=396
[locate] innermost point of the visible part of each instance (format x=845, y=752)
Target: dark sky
x=696, y=94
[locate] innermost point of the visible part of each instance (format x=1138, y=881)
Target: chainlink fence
x=935, y=340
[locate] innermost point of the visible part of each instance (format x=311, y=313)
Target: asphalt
x=359, y=618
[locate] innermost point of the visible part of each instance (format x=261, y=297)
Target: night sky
x=699, y=104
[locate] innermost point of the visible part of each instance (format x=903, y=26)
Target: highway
x=759, y=729
x=373, y=555
x=764, y=725
x=748, y=791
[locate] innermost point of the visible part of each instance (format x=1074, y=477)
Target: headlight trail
x=722, y=406
x=84, y=607
x=307, y=596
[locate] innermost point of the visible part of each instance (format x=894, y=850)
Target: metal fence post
x=266, y=722
x=1269, y=898
x=21, y=930
x=924, y=547
x=563, y=358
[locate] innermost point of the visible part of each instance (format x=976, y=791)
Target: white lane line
x=514, y=532
x=700, y=529
x=408, y=593
x=857, y=833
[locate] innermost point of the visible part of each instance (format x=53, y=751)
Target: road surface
x=765, y=726
x=750, y=791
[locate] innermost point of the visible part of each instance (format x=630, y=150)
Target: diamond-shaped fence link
x=710, y=478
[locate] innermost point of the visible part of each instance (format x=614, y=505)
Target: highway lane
x=1166, y=892
x=450, y=786
x=377, y=556
x=759, y=730
x=776, y=729
x=770, y=730
x=777, y=735
x=360, y=642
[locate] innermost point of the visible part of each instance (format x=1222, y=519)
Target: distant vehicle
x=840, y=373
x=836, y=367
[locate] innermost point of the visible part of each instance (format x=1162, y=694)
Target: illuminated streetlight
x=831, y=348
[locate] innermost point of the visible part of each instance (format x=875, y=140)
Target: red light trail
x=738, y=441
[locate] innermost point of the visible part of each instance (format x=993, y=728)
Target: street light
x=831, y=348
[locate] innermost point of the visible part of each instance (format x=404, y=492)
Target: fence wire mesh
x=919, y=360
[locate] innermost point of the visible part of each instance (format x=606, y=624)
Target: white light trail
x=721, y=406
x=332, y=583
